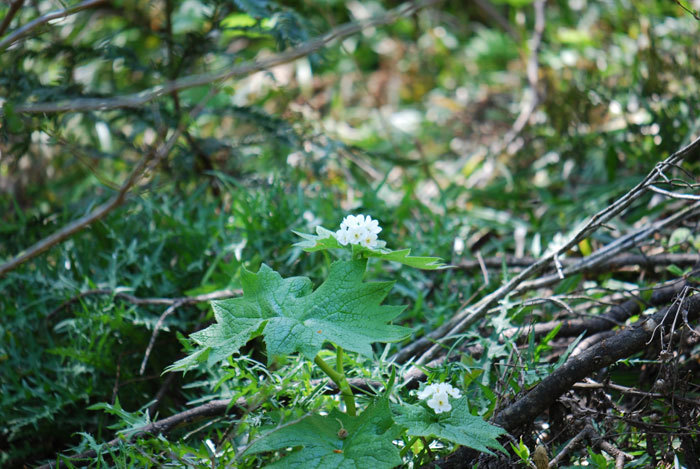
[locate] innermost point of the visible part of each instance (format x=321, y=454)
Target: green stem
x=408, y=446
x=340, y=381
x=339, y=360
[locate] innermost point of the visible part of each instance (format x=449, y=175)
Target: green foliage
x=368, y=441
x=292, y=318
x=458, y=426
x=398, y=121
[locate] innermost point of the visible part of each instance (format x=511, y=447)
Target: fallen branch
x=470, y=315
x=625, y=343
x=592, y=384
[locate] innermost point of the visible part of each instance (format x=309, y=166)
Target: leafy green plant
x=346, y=312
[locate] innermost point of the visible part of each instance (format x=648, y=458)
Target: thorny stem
x=340, y=381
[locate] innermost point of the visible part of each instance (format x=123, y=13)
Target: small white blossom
x=427, y=391
x=358, y=229
x=439, y=403
x=448, y=389
x=437, y=396
x=342, y=236
x=368, y=239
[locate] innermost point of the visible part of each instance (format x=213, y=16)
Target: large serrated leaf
x=325, y=240
x=368, y=443
x=458, y=426
x=344, y=310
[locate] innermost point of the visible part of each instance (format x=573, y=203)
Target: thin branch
x=29, y=27
x=571, y=445
x=14, y=8
x=168, y=311
x=210, y=409
x=135, y=100
x=695, y=14
x=147, y=162
x=617, y=262
x=673, y=195
x=592, y=384
x=613, y=249
x=470, y=315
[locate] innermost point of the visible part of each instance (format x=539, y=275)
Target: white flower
x=437, y=396
x=427, y=391
x=348, y=222
x=372, y=225
x=448, y=389
x=369, y=239
x=358, y=229
x=342, y=236
x=439, y=403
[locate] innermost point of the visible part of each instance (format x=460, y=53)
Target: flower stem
x=340, y=381
x=339, y=360
x=408, y=446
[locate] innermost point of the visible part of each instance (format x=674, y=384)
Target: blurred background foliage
x=399, y=121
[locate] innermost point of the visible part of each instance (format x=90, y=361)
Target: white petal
x=439, y=403
x=426, y=392
x=347, y=222
x=369, y=239
x=342, y=236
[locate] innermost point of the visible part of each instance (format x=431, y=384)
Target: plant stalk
x=408, y=446
x=340, y=381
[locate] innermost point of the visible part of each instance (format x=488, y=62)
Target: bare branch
x=673, y=195
x=617, y=262
x=138, y=99
x=14, y=8
x=168, y=311
x=54, y=15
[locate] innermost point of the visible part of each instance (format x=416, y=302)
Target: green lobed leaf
x=458, y=425
x=343, y=310
x=368, y=443
x=325, y=240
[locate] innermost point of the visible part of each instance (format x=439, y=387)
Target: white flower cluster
x=437, y=396
x=358, y=229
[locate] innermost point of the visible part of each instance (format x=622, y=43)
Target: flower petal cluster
x=358, y=229
x=438, y=395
